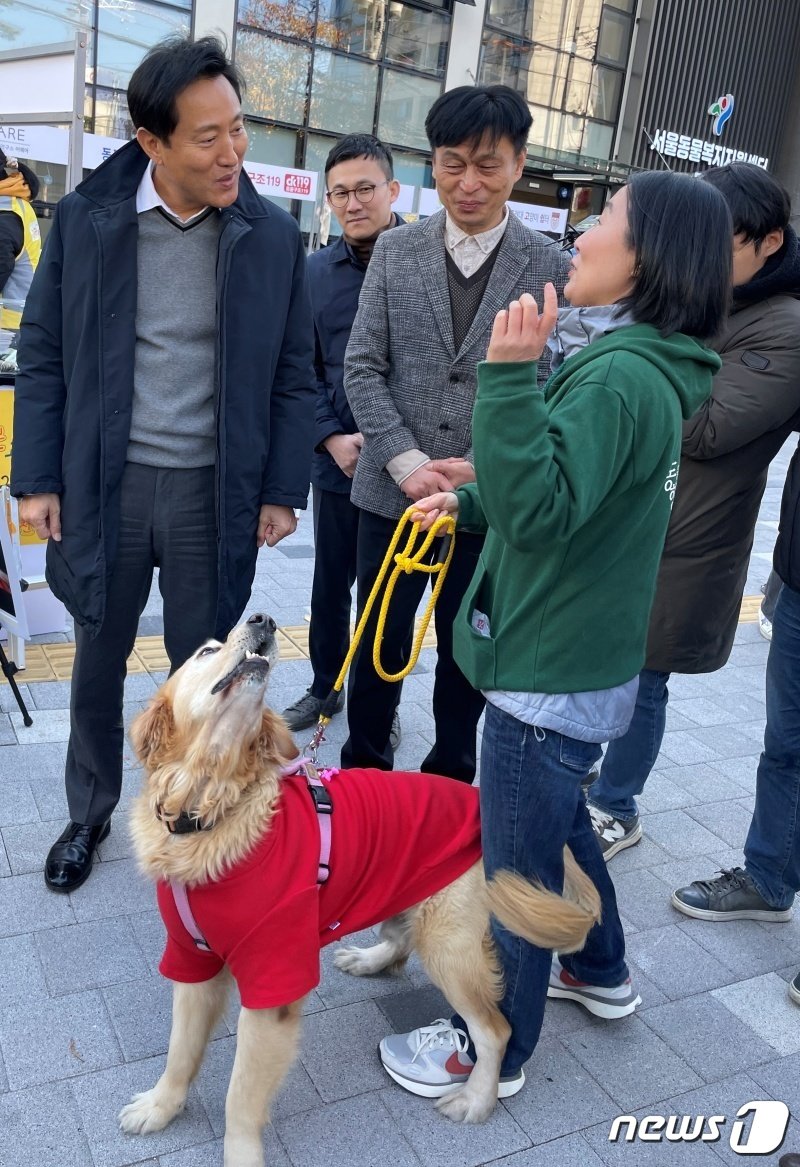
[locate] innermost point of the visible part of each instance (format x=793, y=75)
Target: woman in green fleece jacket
x=573, y=489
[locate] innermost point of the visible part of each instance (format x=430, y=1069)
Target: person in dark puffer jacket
x=727, y=448
x=164, y=408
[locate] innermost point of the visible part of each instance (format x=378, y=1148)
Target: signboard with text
x=49, y=144
x=283, y=182
x=540, y=218
x=674, y=145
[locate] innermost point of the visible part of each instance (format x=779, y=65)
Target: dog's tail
x=543, y=917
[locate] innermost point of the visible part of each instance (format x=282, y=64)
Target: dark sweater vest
x=466, y=293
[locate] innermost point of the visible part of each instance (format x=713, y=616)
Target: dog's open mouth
x=253, y=665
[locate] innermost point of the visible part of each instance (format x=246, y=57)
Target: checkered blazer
x=407, y=386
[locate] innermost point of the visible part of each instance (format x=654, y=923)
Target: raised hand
x=520, y=332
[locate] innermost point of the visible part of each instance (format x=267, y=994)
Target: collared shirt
x=469, y=252
x=147, y=197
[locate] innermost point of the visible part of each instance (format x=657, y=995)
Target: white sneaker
x=432, y=1061
x=764, y=625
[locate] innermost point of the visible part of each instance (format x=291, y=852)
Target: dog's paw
x=145, y=1114
x=463, y=1106
x=356, y=961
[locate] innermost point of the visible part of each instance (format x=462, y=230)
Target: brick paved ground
x=84, y=1015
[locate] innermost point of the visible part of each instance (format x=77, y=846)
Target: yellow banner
x=27, y=534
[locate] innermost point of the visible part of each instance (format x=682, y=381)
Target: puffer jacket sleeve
x=758, y=387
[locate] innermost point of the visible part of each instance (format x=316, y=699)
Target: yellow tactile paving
x=53, y=662
x=293, y=643
x=37, y=666
x=148, y=656
x=749, y=610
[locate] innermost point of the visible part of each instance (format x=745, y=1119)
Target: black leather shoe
x=790, y=1160
x=396, y=736
x=306, y=710
x=69, y=863
x=730, y=896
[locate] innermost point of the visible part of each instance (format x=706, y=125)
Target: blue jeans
x=531, y=805
x=772, y=849
x=629, y=760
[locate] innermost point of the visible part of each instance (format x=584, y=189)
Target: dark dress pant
x=371, y=702
x=167, y=520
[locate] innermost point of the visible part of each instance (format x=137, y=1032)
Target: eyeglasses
x=364, y=192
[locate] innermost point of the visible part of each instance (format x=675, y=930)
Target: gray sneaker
x=730, y=896
x=614, y=834
x=305, y=711
x=794, y=989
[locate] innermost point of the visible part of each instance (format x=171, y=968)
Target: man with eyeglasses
x=424, y=320
x=360, y=190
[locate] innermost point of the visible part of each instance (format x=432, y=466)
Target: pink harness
x=324, y=808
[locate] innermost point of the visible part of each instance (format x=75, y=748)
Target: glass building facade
x=119, y=34
x=317, y=69
x=568, y=59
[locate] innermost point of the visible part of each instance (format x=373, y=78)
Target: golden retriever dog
x=215, y=762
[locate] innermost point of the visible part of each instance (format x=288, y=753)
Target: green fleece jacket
x=574, y=489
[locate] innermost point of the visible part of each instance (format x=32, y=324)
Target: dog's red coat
x=397, y=839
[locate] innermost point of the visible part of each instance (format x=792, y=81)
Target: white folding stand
x=12, y=606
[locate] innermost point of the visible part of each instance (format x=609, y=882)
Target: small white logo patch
x=672, y=481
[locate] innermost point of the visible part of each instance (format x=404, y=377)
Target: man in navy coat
x=361, y=190
x=164, y=405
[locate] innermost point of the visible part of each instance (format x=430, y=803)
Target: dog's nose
x=260, y=618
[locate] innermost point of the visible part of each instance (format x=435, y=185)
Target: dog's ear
x=152, y=730
x=275, y=742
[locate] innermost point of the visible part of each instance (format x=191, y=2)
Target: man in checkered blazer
x=425, y=315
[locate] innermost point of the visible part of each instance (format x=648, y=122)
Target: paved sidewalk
x=84, y=1015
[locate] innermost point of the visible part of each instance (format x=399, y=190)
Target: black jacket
x=75, y=386
x=335, y=275
x=727, y=448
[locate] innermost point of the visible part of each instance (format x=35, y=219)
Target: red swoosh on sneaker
x=456, y=1067
x=570, y=980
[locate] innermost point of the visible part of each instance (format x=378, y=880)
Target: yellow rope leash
x=405, y=562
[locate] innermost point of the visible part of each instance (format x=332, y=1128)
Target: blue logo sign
x=721, y=111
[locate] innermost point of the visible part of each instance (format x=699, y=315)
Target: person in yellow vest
x=20, y=248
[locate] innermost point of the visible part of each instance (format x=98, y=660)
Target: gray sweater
x=172, y=422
